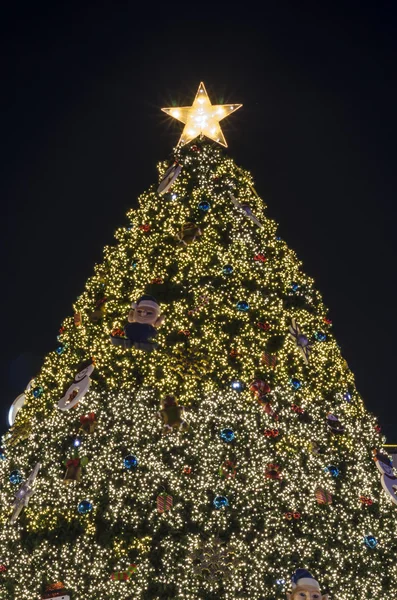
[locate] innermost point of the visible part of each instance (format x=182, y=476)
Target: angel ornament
x=245, y=207
x=24, y=494
x=300, y=340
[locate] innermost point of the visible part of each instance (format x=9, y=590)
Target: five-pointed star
x=202, y=118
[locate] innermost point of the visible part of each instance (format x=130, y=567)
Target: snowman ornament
x=78, y=389
x=388, y=479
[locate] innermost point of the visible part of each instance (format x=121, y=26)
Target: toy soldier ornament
x=143, y=319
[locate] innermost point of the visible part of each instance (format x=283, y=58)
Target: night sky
x=82, y=132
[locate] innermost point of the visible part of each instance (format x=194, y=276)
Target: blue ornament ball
x=296, y=384
x=242, y=306
x=220, y=502
x=347, y=396
x=227, y=435
x=237, y=385
x=77, y=442
x=320, y=336
x=60, y=350
x=227, y=269
x=15, y=477
x=130, y=462
x=38, y=391
x=294, y=286
x=84, y=507
x=334, y=471
x=370, y=541
x=204, y=206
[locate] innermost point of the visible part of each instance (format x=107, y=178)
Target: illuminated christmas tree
x=196, y=433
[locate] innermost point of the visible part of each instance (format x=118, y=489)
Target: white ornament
x=78, y=389
x=301, y=340
x=245, y=207
x=24, y=494
x=388, y=479
x=170, y=175
x=17, y=405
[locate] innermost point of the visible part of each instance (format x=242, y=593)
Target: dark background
x=82, y=132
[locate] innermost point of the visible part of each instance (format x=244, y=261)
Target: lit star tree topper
x=202, y=118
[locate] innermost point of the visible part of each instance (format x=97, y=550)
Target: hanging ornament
x=3, y=568
x=294, y=286
x=173, y=416
x=37, y=391
x=84, y=507
x=15, y=477
x=388, y=479
x=327, y=321
x=332, y=470
x=124, y=575
x=77, y=319
x=188, y=233
x=320, y=336
x=144, y=318
x=73, y=471
x=214, y=560
x=228, y=469
x=220, y=502
x=88, y=423
x=322, y=496
x=270, y=360
x=234, y=353
x=300, y=340
x=246, y=209
x=334, y=424
x=377, y=428
x=237, y=385
x=187, y=470
x=77, y=390
x=263, y=326
x=146, y=227
x=61, y=349
x=260, y=258
x=267, y=407
x=227, y=269
x=296, y=384
x=130, y=462
x=271, y=433
x=314, y=447
x=273, y=471
x=157, y=281
x=290, y=516
x=260, y=389
x=24, y=493
x=366, y=501
x=370, y=541
x=227, y=435
x=204, y=206
x=99, y=312
x=242, y=306
x=347, y=397
x=297, y=409
x=169, y=178
x=164, y=502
